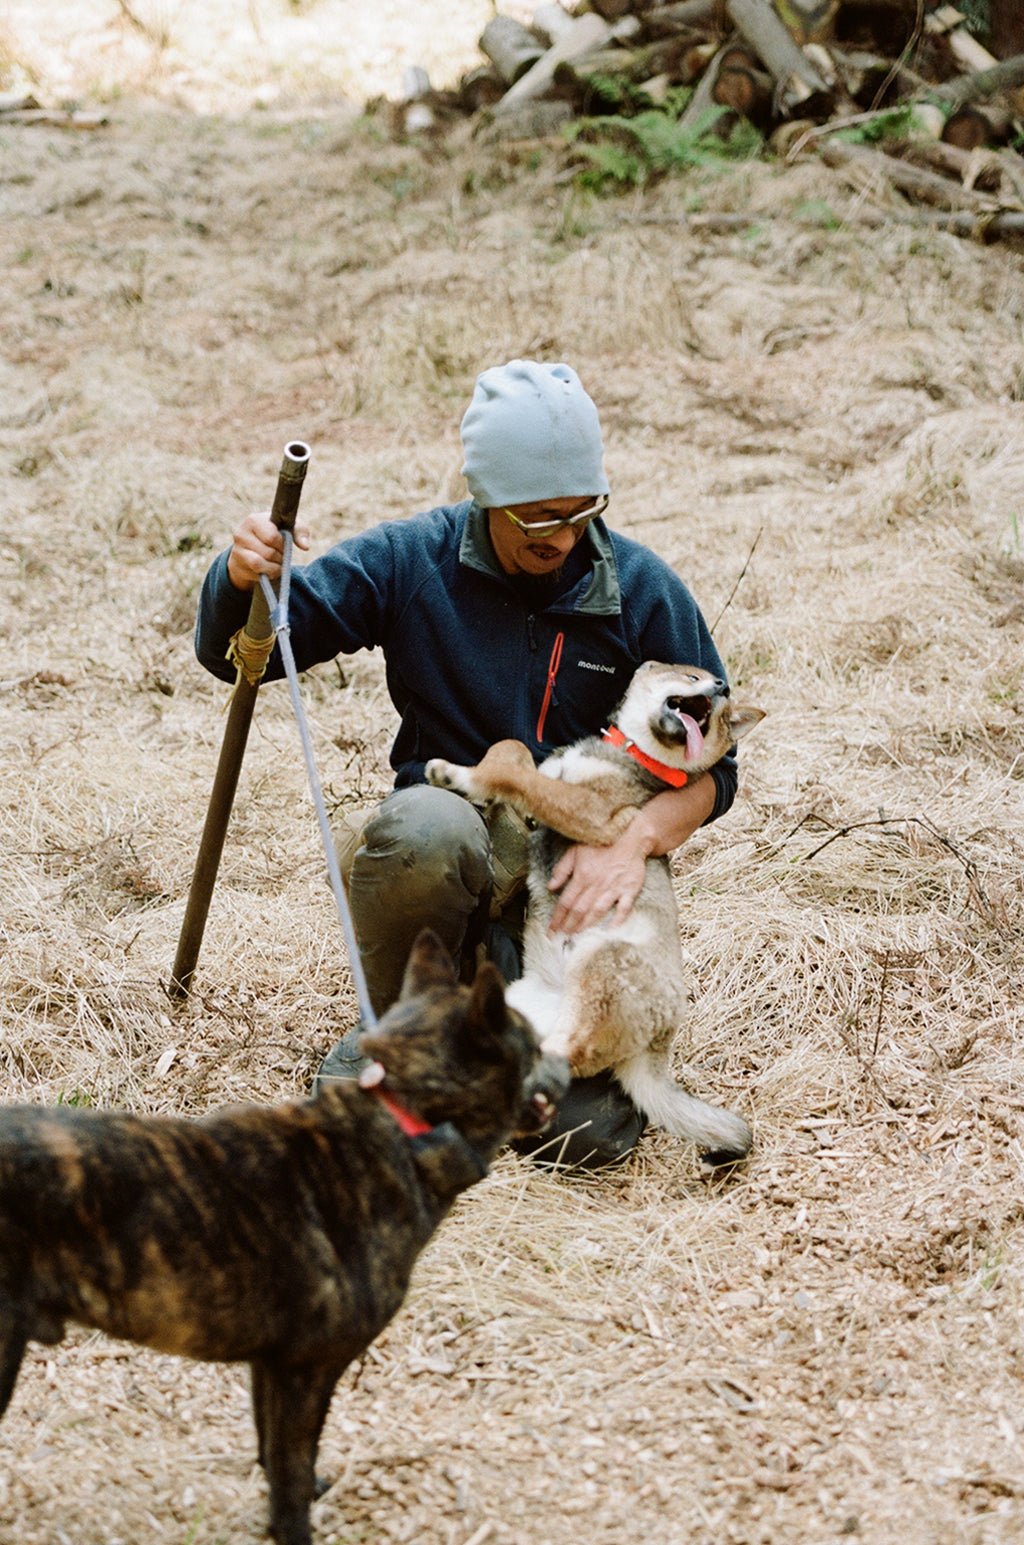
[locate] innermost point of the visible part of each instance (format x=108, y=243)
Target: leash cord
x=278, y=605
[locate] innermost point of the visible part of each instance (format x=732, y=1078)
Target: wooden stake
x=232, y=751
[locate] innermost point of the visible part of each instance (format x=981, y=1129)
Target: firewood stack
x=798, y=70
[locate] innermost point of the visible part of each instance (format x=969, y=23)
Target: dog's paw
x=449, y=775
x=444, y=775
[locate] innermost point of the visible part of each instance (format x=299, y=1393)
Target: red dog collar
x=673, y=775
x=411, y=1125
x=372, y=1080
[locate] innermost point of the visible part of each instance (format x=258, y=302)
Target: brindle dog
x=283, y=1237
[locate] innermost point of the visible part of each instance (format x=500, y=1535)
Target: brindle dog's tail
x=722, y=1135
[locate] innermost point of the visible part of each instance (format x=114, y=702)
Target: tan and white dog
x=612, y=996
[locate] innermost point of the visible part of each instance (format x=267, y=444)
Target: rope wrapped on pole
x=259, y=635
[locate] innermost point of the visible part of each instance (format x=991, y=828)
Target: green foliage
x=977, y=14
x=817, y=212
x=611, y=90
x=629, y=152
x=609, y=164
x=81, y=1099
x=897, y=124
x=616, y=91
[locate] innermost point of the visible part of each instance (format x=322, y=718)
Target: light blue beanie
x=531, y=433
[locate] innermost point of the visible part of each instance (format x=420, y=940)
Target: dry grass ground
x=822, y=430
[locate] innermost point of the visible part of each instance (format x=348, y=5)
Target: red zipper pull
x=553, y=664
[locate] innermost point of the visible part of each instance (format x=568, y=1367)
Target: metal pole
x=232, y=751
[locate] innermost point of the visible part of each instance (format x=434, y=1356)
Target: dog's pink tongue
x=694, y=738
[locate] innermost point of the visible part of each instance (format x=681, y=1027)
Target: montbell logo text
x=592, y=665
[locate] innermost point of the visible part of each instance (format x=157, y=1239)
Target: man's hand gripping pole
x=259, y=632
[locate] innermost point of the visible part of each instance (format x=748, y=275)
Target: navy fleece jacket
x=473, y=656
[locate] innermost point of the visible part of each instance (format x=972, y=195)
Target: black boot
x=597, y=1125
x=345, y=1060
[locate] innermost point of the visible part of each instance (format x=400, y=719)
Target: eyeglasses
x=565, y=522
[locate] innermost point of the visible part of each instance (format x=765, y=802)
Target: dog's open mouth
x=539, y=1113
x=548, y=1086
x=685, y=721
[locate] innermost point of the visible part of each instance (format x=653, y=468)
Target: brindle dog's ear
x=486, y=1014
x=430, y=965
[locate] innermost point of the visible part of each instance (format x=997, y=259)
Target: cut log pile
x=917, y=99
x=801, y=71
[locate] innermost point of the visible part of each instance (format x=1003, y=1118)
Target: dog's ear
x=429, y=965
x=486, y=1014
x=743, y=719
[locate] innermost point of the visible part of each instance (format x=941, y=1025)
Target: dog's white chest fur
x=574, y=765
x=554, y=956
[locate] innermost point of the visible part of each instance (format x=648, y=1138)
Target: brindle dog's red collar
x=371, y=1079
x=673, y=775
x=412, y=1125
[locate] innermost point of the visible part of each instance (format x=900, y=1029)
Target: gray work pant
x=425, y=857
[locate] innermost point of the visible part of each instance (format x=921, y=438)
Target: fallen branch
x=587, y=34
x=980, y=900
x=913, y=180
x=739, y=579
x=703, y=101
x=688, y=13
x=971, y=168
x=56, y=118
x=1002, y=223
x=796, y=78
x=1005, y=223
x=1005, y=76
